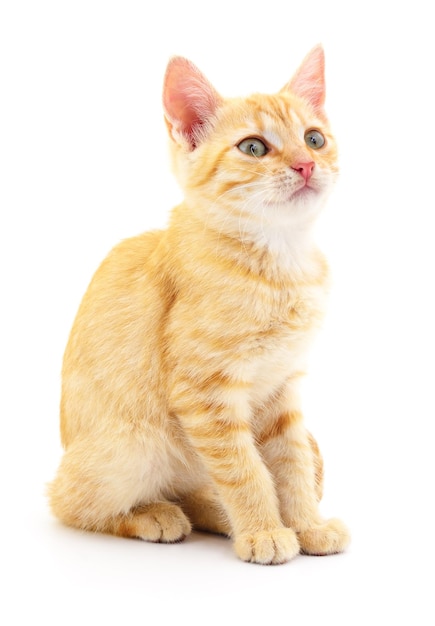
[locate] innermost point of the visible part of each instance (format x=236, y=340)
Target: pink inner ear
x=309, y=81
x=188, y=98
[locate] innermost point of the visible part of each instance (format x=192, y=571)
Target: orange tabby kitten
x=180, y=379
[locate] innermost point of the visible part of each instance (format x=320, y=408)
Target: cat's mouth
x=303, y=192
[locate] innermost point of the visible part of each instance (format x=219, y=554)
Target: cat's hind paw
x=267, y=547
x=160, y=522
x=330, y=537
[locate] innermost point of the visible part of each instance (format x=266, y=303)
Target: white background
x=83, y=164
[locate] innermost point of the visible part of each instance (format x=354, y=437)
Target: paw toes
x=267, y=547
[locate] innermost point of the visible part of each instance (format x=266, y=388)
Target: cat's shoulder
x=137, y=251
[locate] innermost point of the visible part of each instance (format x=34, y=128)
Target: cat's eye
x=314, y=139
x=253, y=146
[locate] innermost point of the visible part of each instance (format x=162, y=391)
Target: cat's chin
x=301, y=207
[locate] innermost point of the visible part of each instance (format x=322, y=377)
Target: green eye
x=314, y=139
x=253, y=146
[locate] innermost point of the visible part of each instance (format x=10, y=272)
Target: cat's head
x=266, y=159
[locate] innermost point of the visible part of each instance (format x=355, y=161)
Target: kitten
x=180, y=379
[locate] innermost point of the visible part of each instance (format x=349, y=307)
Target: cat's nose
x=304, y=169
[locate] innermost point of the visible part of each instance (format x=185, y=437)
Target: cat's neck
x=290, y=250
x=279, y=253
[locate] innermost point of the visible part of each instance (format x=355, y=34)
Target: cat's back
x=117, y=329
x=130, y=269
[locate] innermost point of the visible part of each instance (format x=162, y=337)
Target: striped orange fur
x=180, y=379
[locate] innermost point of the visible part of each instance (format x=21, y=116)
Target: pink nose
x=304, y=169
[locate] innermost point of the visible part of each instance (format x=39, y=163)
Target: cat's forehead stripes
x=268, y=124
x=276, y=122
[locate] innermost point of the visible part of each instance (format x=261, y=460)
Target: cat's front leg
x=293, y=459
x=223, y=439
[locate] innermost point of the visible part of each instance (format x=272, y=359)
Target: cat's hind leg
x=106, y=490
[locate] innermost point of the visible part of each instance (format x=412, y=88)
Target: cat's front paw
x=267, y=547
x=329, y=537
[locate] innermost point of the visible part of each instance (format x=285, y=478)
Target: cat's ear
x=189, y=101
x=309, y=80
